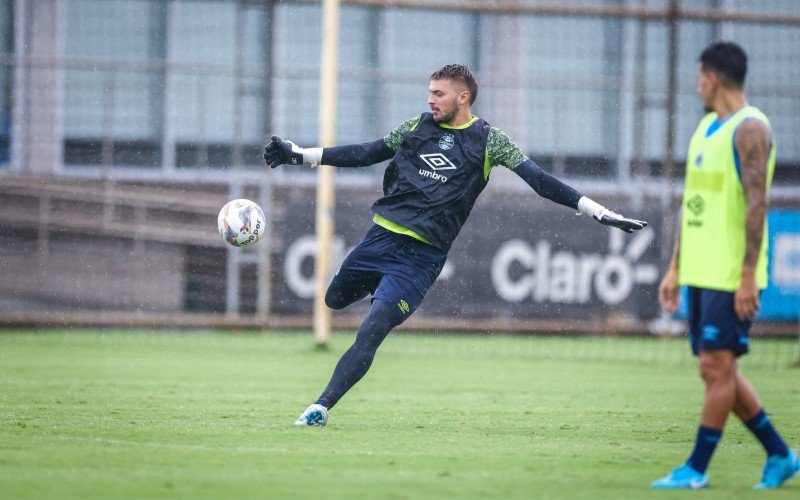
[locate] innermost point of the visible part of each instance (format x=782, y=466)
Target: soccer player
x=440, y=164
x=721, y=255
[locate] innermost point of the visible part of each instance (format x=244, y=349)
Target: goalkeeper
x=440, y=164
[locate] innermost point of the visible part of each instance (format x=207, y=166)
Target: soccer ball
x=241, y=223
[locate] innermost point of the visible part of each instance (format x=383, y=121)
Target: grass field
x=200, y=414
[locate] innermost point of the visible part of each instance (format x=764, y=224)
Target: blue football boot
x=684, y=477
x=778, y=469
x=314, y=415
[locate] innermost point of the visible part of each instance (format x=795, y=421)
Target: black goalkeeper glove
x=281, y=152
x=608, y=218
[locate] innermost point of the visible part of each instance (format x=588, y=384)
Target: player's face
x=446, y=98
x=707, y=83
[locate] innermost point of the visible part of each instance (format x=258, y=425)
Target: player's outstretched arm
x=357, y=155
x=606, y=217
x=283, y=152
x=553, y=189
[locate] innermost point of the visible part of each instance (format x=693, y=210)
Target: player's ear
x=463, y=97
x=714, y=79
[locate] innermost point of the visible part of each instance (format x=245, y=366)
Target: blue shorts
x=713, y=325
x=394, y=268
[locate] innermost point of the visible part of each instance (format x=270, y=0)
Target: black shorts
x=394, y=268
x=713, y=325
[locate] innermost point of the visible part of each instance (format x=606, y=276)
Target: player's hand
x=608, y=218
x=613, y=219
x=281, y=152
x=746, y=302
x=669, y=291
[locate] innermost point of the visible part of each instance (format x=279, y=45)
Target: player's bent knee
x=334, y=300
x=716, y=367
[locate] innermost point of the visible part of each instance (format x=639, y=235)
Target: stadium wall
x=520, y=264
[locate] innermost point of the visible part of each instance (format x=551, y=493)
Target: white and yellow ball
x=241, y=223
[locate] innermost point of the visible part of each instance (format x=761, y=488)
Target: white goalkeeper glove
x=281, y=152
x=608, y=218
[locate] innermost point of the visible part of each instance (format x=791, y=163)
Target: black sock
x=704, y=447
x=766, y=433
x=355, y=362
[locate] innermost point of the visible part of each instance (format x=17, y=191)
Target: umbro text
x=433, y=175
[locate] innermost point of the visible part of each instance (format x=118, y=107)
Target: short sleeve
x=502, y=150
x=395, y=138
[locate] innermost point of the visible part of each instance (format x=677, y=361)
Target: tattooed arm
x=752, y=142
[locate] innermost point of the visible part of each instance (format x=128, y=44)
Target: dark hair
x=460, y=73
x=728, y=60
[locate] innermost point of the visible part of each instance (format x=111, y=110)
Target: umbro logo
x=710, y=333
x=696, y=204
x=437, y=161
x=404, y=307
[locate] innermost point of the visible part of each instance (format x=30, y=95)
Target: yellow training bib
x=712, y=239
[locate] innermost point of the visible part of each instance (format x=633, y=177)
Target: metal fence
x=126, y=124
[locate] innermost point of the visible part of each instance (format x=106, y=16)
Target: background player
x=440, y=164
x=721, y=254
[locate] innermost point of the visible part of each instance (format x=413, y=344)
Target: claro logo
x=521, y=271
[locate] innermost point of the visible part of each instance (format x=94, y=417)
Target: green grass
x=149, y=415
